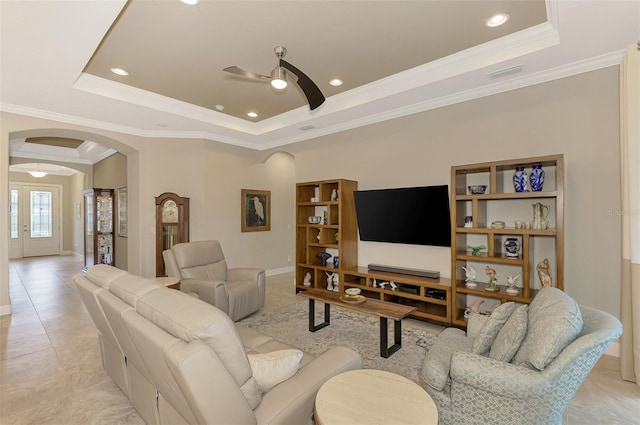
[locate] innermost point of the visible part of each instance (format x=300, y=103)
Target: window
x=40, y=214
x=14, y=213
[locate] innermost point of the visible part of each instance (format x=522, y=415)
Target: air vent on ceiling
x=504, y=72
x=307, y=127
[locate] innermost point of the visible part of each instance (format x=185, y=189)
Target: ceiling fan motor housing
x=278, y=80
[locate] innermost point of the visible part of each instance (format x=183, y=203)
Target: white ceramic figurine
x=471, y=275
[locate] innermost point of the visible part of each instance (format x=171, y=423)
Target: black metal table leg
x=312, y=315
x=385, y=350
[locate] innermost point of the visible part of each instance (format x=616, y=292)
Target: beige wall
x=576, y=116
x=111, y=173
x=212, y=176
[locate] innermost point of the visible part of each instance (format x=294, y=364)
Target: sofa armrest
x=213, y=292
x=292, y=401
x=495, y=376
x=244, y=273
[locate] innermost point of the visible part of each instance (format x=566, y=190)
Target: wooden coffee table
x=368, y=396
x=385, y=310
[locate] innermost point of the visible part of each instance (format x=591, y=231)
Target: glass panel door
x=41, y=214
x=40, y=224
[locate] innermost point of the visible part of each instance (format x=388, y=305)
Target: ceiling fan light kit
x=278, y=78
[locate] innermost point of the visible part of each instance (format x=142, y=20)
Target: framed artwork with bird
x=256, y=210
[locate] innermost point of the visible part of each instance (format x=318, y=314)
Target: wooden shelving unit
x=431, y=297
x=336, y=234
x=99, y=243
x=500, y=202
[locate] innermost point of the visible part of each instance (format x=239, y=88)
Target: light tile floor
x=50, y=370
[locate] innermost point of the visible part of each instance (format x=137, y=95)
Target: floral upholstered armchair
x=523, y=364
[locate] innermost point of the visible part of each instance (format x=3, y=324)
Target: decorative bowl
x=352, y=292
x=477, y=189
x=315, y=219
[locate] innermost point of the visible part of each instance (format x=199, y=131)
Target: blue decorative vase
x=512, y=247
x=537, y=178
x=324, y=256
x=520, y=181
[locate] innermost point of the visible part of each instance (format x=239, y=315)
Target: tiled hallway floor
x=50, y=371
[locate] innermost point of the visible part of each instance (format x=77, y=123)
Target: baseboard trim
x=282, y=270
x=5, y=310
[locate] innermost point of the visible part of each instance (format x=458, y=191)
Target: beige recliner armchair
x=202, y=270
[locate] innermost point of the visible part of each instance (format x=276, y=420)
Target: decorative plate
x=358, y=299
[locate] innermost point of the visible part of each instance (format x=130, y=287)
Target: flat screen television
x=411, y=215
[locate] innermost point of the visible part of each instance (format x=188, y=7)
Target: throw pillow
x=475, y=323
x=269, y=369
x=483, y=340
x=510, y=337
x=555, y=321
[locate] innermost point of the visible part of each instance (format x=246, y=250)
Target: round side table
x=368, y=396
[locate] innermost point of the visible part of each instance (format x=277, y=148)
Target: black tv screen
x=412, y=215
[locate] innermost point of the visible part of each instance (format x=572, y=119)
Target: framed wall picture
x=256, y=210
x=122, y=211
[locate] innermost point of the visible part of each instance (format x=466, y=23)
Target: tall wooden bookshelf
x=336, y=233
x=500, y=202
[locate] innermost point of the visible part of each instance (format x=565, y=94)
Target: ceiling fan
x=278, y=78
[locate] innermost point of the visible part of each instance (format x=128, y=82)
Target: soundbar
x=414, y=272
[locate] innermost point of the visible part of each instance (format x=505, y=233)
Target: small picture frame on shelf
x=255, y=210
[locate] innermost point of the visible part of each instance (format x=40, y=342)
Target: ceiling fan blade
x=309, y=88
x=247, y=74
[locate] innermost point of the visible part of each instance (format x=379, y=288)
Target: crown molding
x=523, y=42
x=102, y=125
x=129, y=94
x=513, y=83
x=587, y=65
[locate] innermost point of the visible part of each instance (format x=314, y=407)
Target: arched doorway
x=90, y=142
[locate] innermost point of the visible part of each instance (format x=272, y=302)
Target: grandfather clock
x=172, y=225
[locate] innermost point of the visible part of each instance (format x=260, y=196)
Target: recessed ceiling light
x=119, y=71
x=497, y=20
x=252, y=114
x=336, y=82
x=190, y=2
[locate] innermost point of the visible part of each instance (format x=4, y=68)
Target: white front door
x=36, y=224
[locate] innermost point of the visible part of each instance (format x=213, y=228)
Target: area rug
x=360, y=332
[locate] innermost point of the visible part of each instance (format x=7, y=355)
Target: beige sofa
x=202, y=270
x=183, y=361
